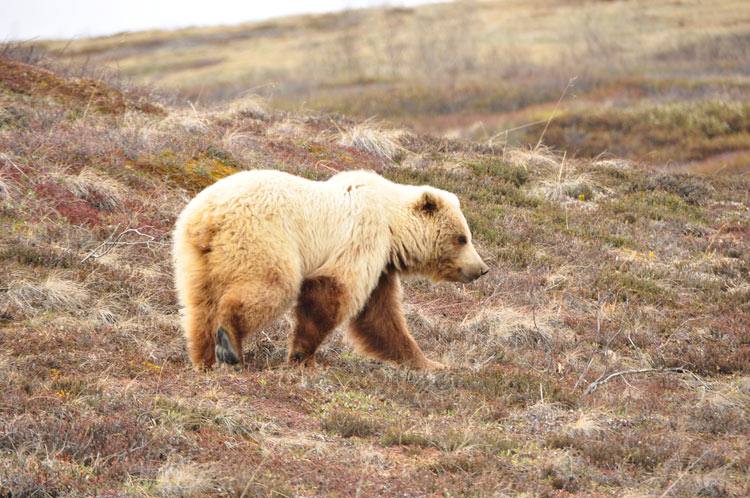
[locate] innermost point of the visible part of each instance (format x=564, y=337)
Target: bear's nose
x=475, y=273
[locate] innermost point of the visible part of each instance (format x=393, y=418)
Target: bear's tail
x=195, y=295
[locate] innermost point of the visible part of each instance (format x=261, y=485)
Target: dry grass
x=511, y=326
x=189, y=121
x=347, y=424
x=186, y=480
x=6, y=193
x=371, y=138
x=290, y=128
x=249, y=106
x=586, y=425
x=98, y=190
x=533, y=158
x=565, y=190
x=54, y=293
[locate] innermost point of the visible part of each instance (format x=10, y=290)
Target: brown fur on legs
x=380, y=329
x=317, y=313
x=198, y=299
x=200, y=337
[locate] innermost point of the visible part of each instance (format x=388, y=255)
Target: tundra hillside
x=606, y=354
x=656, y=81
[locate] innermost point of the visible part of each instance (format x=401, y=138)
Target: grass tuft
x=349, y=424
x=370, y=138
x=186, y=479
x=54, y=294
x=101, y=192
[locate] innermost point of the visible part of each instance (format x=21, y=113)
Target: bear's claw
x=225, y=352
x=301, y=359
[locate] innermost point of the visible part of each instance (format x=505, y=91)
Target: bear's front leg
x=318, y=313
x=380, y=329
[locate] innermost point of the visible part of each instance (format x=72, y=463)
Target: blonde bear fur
x=253, y=244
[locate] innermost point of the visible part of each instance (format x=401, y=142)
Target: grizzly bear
x=253, y=244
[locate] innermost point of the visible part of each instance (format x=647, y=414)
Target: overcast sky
x=40, y=19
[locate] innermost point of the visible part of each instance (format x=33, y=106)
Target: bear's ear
x=427, y=204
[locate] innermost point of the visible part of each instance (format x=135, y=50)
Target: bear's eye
x=461, y=240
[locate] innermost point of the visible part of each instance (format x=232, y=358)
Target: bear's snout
x=469, y=274
x=470, y=265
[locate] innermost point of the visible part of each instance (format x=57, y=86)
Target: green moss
x=492, y=192
x=680, y=131
x=12, y=117
x=459, y=463
x=580, y=191
x=395, y=437
x=520, y=253
x=656, y=205
x=498, y=169
x=347, y=423
x=193, y=174
x=627, y=287
x=690, y=188
x=409, y=99
x=192, y=417
x=73, y=387
x=515, y=387
x=33, y=255
x=619, y=240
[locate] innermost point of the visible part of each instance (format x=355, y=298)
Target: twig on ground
x=585, y=371
x=108, y=239
x=598, y=334
x=116, y=240
x=682, y=474
x=88, y=105
x=5, y=157
x=712, y=238
x=603, y=379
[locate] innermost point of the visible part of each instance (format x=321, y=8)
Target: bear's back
x=245, y=182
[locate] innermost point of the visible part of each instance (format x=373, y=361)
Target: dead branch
x=116, y=240
x=5, y=157
x=598, y=334
x=682, y=474
x=603, y=379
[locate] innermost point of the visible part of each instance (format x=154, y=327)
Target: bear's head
x=436, y=240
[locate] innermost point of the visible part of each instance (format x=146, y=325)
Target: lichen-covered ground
x=599, y=267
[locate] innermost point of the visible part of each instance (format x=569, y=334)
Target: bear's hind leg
x=243, y=309
x=318, y=313
x=200, y=340
x=380, y=329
